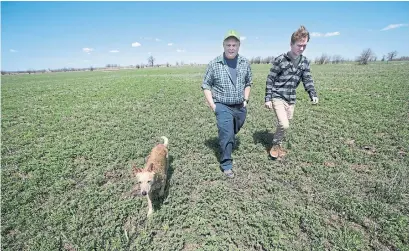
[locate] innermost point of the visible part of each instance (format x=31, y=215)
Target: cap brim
x=232, y=36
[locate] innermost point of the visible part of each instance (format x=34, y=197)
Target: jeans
x=229, y=121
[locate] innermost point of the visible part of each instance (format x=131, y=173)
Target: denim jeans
x=229, y=121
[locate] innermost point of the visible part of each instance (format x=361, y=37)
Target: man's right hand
x=269, y=105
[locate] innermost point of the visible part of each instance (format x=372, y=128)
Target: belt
x=235, y=106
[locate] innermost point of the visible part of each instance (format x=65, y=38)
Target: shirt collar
x=290, y=59
x=220, y=59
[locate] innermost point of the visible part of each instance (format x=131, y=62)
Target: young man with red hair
x=288, y=70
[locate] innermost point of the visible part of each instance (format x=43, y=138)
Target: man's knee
x=226, y=131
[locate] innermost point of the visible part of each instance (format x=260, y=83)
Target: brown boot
x=282, y=152
x=275, y=151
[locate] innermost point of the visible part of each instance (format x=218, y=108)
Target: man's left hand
x=244, y=103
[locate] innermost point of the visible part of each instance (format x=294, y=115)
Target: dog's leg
x=162, y=189
x=150, y=209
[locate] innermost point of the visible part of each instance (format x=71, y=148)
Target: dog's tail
x=165, y=140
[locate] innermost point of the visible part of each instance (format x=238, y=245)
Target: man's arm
x=249, y=82
x=207, y=86
x=209, y=99
x=247, y=92
x=271, y=77
x=308, y=83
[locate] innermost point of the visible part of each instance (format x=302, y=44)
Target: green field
x=69, y=140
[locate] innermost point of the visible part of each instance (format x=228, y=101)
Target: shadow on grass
x=263, y=137
x=213, y=143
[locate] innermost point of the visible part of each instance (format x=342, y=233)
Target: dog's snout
x=143, y=193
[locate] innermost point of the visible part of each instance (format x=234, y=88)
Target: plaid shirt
x=284, y=78
x=218, y=80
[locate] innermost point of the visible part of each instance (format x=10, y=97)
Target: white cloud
x=242, y=38
x=12, y=50
x=256, y=38
x=136, y=44
x=170, y=44
x=179, y=50
x=114, y=51
x=394, y=26
x=315, y=34
x=87, y=50
x=157, y=40
x=328, y=34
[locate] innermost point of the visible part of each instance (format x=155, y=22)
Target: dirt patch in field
x=23, y=175
x=350, y=142
x=370, y=224
x=329, y=164
x=13, y=233
x=113, y=176
x=305, y=164
x=402, y=153
x=333, y=220
x=190, y=246
x=360, y=168
x=69, y=247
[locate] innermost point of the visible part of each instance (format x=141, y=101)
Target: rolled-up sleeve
x=249, y=77
x=208, y=80
x=271, y=78
x=308, y=81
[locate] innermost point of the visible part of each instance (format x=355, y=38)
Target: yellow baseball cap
x=232, y=33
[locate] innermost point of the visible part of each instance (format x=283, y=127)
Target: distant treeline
x=366, y=56
x=91, y=68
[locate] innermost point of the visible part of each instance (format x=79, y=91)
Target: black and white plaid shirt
x=218, y=80
x=284, y=78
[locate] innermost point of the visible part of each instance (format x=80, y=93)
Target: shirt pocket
x=241, y=75
x=222, y=77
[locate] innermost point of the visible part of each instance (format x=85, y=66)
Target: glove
x=314, y=100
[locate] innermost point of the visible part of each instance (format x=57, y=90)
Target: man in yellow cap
x=226, y=87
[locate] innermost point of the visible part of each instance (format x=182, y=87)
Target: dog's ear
x=136, y=170
x=150, y=168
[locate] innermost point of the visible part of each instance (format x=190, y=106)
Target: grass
x=69, y=139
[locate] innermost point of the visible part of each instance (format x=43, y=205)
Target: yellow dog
x=153, y=177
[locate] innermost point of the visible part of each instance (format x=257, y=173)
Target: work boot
x=282, y=152
x=229, y=173
x=275, y=152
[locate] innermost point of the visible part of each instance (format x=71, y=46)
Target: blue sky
x=41, y=35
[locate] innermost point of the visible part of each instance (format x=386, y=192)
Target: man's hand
x=213, y=107
x=244, y=103
x=314, y=100
x=269, y=105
